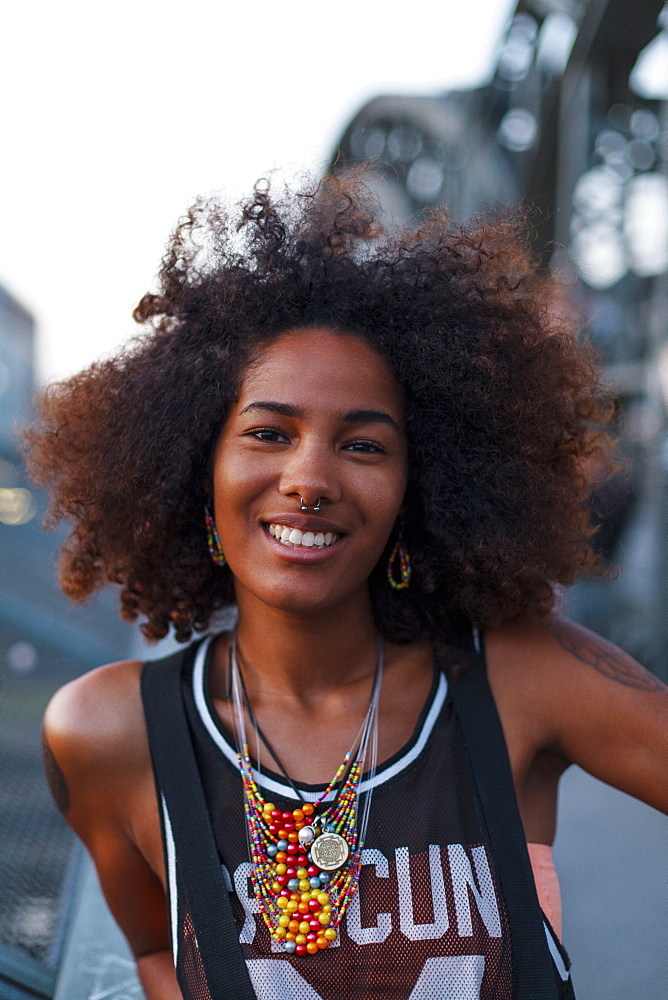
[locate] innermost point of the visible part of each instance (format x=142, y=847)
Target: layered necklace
x=306, y=862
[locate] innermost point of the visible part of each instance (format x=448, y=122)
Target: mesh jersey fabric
x=428, y=921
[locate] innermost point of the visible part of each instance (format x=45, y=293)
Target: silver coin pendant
x=330, y=851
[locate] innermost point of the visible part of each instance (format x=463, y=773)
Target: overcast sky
x=117, y=115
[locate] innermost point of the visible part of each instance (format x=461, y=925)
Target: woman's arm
x=565, y=695
x=611, y=713
x=98, y=767
x=157, y=976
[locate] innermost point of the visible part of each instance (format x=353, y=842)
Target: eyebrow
x=298, y=413
x=370, y=417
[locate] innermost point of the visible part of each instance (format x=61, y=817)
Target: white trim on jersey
x=382, y=775
x=556, y=954
x=170, y=852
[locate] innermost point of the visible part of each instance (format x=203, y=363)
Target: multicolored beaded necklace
x=306, y=862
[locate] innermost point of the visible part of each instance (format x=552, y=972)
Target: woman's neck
x=309, y=682
x=306, y=657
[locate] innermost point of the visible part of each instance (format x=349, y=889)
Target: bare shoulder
x=560, y=686
x=99, y=707
x=93, y=734
x=578, y=646
x=98, y=766
x=558, y=651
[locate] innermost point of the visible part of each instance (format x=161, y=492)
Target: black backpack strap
x=178, y=780
x=533, y=968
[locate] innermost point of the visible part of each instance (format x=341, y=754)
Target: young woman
x=375, y=447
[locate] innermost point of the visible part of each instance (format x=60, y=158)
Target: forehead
x=324, y=368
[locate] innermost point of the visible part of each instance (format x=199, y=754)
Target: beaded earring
x=405, y=568
x=215, y=548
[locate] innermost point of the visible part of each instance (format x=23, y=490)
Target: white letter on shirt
x=247, y=900
x=463, y=881
x=421, y=932
x=369, y=935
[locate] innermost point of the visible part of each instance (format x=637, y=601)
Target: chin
x=297, y=602
x=305, y=596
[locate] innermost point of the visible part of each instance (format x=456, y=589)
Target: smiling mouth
x=294, y=538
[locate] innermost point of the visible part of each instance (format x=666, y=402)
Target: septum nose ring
x=315, y=506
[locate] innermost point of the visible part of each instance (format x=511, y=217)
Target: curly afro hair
x=504, y=409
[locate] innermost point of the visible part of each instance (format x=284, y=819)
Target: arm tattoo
x=605, y=658
x=55, y=778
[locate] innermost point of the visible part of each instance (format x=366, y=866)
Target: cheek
x=236, y=474
x=384, y=502
x=234, y=487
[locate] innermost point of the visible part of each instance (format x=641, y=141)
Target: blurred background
x=114, y=119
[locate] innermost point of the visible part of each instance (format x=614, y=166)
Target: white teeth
x=307, y=539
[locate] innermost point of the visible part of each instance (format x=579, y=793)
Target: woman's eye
x=364, y=447
x=268, y=434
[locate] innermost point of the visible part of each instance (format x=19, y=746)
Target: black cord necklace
x=357, y=742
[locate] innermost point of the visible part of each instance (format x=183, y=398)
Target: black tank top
x=428, y=921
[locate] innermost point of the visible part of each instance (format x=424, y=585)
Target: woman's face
x=319, y=415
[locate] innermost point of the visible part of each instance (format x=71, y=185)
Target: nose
x=309, y=475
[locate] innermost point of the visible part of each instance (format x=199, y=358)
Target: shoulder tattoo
x=605, y=658
x=55, y=778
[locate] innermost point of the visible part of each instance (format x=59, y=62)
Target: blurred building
x=572, y=126
x=43, y=643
